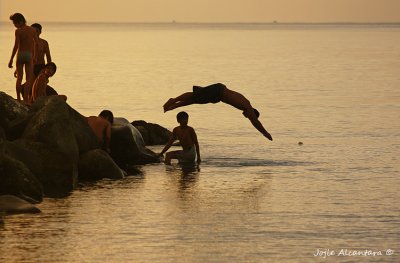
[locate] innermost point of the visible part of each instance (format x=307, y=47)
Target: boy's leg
x=183, y=100
x=20, y=75
x=183, y=97
x=29, y=80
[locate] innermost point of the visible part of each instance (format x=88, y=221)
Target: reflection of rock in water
x=11, y=204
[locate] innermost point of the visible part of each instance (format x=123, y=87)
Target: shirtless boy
x=101, y=127
x=216, y=93
x=25, y=38
x=39, y=88
x=188, y=139
x=41, y=50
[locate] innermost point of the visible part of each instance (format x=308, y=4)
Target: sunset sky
x=204, y=10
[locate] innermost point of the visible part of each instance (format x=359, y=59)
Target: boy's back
x=25, y=34
x=185, y=135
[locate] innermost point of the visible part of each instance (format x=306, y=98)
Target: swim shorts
x=209, y=94
x=24, y=57
x=186, y=156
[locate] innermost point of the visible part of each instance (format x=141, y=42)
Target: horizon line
x=183, y=22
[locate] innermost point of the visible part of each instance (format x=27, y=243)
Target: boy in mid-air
x=188, y=139
x=215, y=93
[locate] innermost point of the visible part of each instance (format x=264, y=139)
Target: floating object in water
x=300, y=143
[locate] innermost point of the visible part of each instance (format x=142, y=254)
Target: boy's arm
x=257, y=124
x=39, y=87
x=196, y=144
x=169, y=144
x=14, y=51
x=47, y=52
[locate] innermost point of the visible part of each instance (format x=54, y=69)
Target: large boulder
x=55, y=123
x=11, y=109
x=50, y=125
x=59, y=171
x=13, y=116
x=153, y=134
x=17, y=179
x=2, y=134
x=97, y=164
x=127, y=145
x=10, y=204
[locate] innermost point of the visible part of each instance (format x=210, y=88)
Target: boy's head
x=108, y=115
x=18, y=19
x=37, y=27
x=182, y=117
x=50, y=69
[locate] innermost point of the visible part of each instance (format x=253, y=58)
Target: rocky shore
x=45, y=150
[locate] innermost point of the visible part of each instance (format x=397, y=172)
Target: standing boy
x=41, y=50
x=25, y=38
x=188, y=139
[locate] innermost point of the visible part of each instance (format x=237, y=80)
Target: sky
x=218, y=11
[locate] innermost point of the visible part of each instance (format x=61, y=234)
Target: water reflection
x=185, y=175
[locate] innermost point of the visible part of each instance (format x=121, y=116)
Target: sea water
x=327, y=186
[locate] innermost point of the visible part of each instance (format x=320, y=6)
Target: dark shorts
x=209, y=94
x=24, y=57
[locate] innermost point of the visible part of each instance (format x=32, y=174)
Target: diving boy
x=188, y=140
x=219, y=93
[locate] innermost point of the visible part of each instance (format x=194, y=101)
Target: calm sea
x=335, y=88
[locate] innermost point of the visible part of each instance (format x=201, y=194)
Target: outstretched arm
x=257, y=124
x=169, y=144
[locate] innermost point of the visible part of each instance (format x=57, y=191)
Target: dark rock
x=11, y=204
x=2, y=134
x=59, y=171
x=11, y=109
x=50, y=125
x=127, y=145
x=17, y=179
x=55, y=123
x=19, y=152
x=13, y=116
x=97, y=164
x=153, y=134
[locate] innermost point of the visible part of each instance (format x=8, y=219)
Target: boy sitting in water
x=188, y=139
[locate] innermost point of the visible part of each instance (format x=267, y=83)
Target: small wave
x=247, y=162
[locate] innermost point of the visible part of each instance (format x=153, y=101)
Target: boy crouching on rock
x=188, y=140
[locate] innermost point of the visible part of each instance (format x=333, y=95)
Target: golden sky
x=203, y=10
